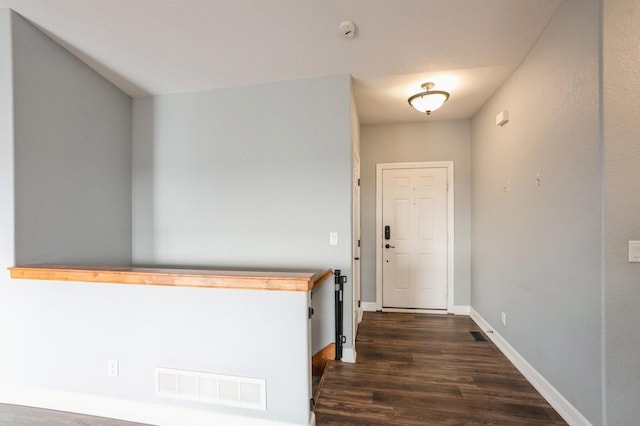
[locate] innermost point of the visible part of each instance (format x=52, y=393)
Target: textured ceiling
x=149, y=47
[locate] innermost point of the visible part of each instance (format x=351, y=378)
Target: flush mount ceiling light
x=429, y=100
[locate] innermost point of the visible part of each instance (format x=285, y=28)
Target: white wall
x=72, y=157
x=431, y=141
x=621, y=130
x=536, y=249
x=65, y=333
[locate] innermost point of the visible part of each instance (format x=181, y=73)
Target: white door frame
x=356, y=250
x=450, y=224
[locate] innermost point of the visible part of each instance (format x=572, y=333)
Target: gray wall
x=621, y=126
x=6, y=142
x=536, y=249
x=73, y=174
x=72, y=157
x=202, y=160
x=432, y=141
x=7, y=356
x=51, y=151
x=249, y=177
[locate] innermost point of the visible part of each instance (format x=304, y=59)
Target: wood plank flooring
x=17, y=415
x=418, y=369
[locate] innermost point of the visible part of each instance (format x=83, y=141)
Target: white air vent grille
x=245, y=392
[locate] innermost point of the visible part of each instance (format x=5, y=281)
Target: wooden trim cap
x=205, y=278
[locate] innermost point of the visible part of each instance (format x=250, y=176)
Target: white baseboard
x=349, y=355
x=369, y=306
x=416, y=311
x=133, y=411
x=566, y=410
x=457, y=310
x=461, y=310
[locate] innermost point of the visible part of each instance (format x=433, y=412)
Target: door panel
x=414, y=268
x=425, y=219
x=427, y=279
x=402, y=219
x=402, y=266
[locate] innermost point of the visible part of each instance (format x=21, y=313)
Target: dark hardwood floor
x=418, y=369
x=17, y=415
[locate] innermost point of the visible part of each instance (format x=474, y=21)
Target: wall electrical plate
x=114, y=368
x=502, y=118
x=634, y=251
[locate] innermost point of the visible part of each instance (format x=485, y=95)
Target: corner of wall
x=537, y=207
x=75, y=207
x=7, y=214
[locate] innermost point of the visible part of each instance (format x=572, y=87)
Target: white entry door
x=414, y=239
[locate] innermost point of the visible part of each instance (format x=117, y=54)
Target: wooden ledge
x=249, y=280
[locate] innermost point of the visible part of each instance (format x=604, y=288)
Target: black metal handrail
x=341, y=339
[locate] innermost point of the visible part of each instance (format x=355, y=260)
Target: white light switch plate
x=634, y=251
x=333, y=238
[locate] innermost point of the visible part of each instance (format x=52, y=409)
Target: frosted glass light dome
x=429, y=100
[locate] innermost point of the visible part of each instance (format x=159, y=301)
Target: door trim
x=380, y=167
x=356, y=265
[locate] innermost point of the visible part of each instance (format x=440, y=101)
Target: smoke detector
x=347, y=29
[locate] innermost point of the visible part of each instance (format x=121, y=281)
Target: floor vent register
x=478, y=336
x=235, y=391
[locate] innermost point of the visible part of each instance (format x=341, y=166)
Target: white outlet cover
x=113, y=368
x=502, y=118
x=634, y=251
